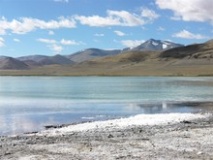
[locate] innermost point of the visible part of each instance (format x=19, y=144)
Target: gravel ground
x=184, y=140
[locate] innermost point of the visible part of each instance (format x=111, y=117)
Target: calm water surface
x=29, y=103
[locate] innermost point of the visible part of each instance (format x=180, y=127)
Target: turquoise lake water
x=29, y=103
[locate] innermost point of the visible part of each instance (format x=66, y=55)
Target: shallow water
x=29, y=103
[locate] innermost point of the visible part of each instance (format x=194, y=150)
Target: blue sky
x=49, y=27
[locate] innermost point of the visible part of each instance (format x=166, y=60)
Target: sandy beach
x=158, y=136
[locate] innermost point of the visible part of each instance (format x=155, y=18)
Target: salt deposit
x=138, y=120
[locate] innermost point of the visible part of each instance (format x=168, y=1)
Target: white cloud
x=119, y=33
x=99, y=35
x=25, y=25
x=2, y=29
x=97, y=21
x=189, y=10
x=63, y=1
x=51, y=33
x=113, y=18
x=16, y=40
x=2, y=42
x=49, y=41
x=149, y=14
x=188, y=35
x=56, y=48
x=161, y=29
x=69, y=42
x=131, y=43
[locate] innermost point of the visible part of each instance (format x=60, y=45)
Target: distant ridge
x=91, y=53
x=36, y=58
x=45, y=60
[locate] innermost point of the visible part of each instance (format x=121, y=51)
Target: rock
x=7, y=153
x=199, y=153
x=110, y=136
x=186, y=122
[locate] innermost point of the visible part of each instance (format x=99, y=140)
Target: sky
x=50, y=27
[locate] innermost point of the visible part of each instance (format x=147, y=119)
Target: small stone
x=186, y=122
x=199, y=153
x=7, y=153
x=110, y=136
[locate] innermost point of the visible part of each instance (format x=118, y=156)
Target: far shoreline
x=28, y=75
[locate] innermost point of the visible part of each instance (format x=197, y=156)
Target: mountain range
x=153, y=57
x=31, y=61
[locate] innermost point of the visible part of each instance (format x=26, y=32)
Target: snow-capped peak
x=156, y=45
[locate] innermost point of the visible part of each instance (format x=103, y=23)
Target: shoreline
x=103, y=75
x=148, y=109
x=145, y=108
x=165, y=136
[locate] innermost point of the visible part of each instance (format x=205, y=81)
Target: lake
x=29, y=103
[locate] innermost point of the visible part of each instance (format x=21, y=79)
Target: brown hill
x=127, y=57
x=12, y=63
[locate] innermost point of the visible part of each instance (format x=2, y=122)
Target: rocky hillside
x=196, y=51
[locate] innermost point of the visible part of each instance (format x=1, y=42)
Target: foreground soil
x=184, y=140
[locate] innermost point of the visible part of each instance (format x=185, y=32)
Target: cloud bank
x=114, y=18
x=25, y=25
